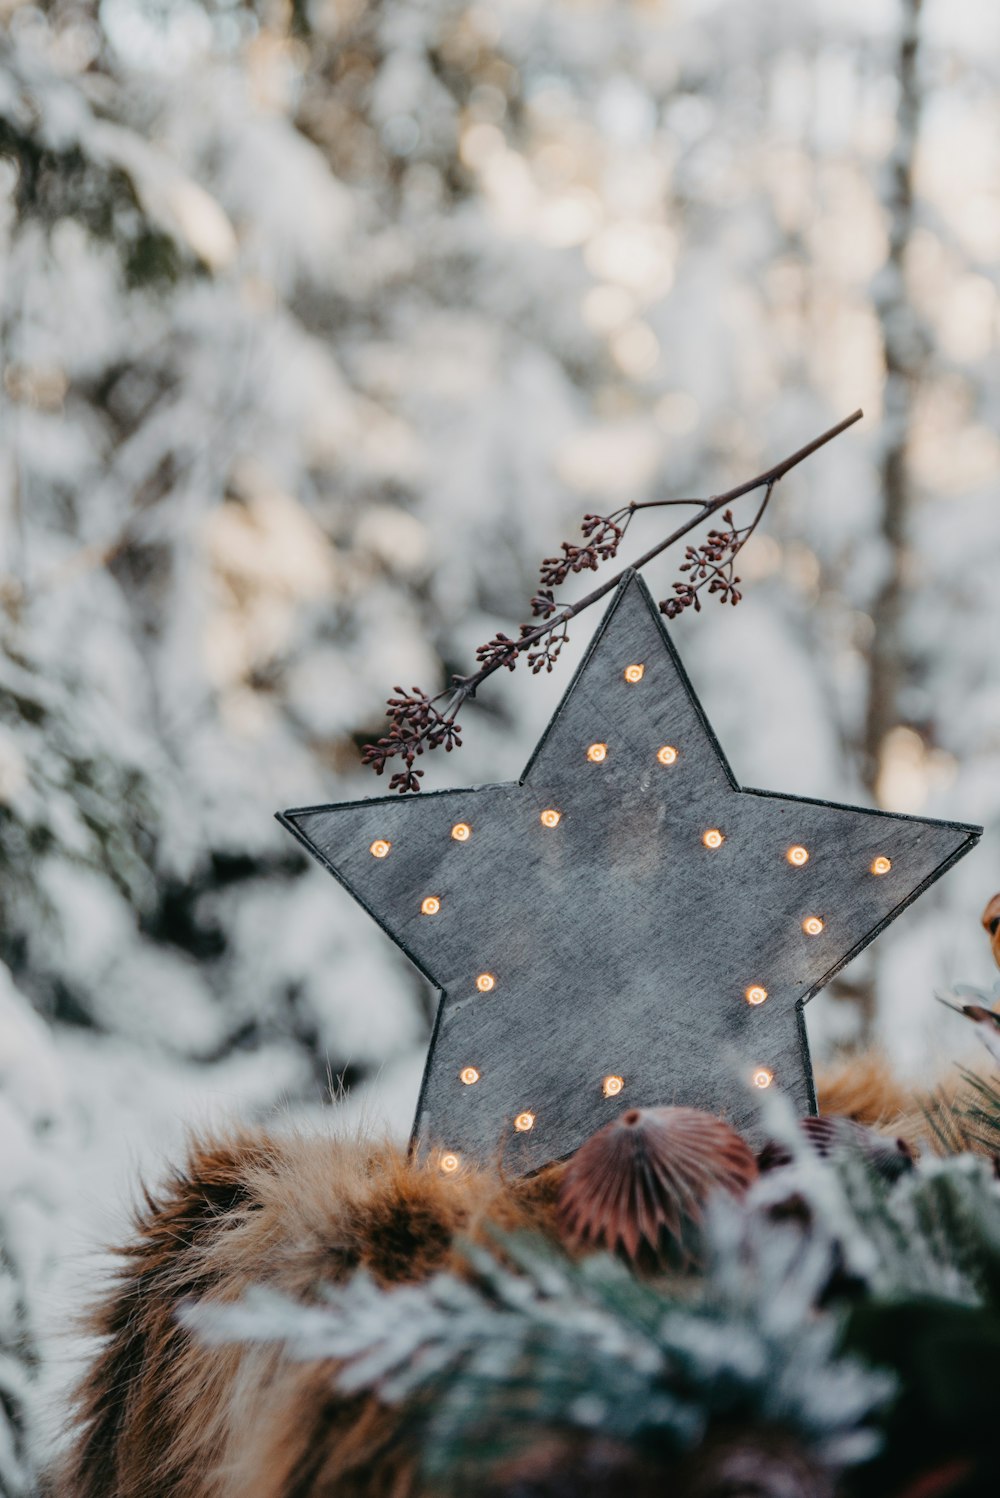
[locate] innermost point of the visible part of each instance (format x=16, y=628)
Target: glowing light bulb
x=713, y=838
x=597, y=752
x=380, y=848
x=486, y=982
x=550, y=817
x=798, y=855
x=756, y=994
x=634, y=674
x=762, y=1077
x=430, y=906
x=812, y=925
x=667, y=755
x=469, y=1075
x=449, y=1163
x=461, y=832
x=612, y=1086
x=881, y=865
x=523, y=1122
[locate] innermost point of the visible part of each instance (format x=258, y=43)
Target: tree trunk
x=904, y=352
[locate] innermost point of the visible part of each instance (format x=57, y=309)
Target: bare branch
x=417, y=724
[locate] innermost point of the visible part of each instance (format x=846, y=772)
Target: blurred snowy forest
x=321, y=322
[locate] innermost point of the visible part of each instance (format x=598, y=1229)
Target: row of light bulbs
x=470, y=1075
x=524, y=1122
x=712, y=838
x=755, y=994
x=667, y=754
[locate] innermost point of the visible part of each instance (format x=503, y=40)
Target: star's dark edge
x=633, y=579
x=284, y=817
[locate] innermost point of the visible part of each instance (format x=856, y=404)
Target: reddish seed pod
x=640, y=1184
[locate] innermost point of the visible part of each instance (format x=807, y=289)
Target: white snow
x=357, y=335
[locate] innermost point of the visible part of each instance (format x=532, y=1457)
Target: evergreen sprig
x=535, y=1345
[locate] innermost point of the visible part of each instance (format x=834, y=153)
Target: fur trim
x=864, y=1088
x=160, y=1414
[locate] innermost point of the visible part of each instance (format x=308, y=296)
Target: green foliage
x=936, y=1232
x=67, y=789
x=968, y=1121
x=978, y=1110
x=945, y=1357
x=73, y=183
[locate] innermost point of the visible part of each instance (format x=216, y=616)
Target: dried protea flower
x=828, y=1132
x=568, y=1465
x=640, y=1184
x=760, y=1463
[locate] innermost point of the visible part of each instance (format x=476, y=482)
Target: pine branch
x=532, y=1346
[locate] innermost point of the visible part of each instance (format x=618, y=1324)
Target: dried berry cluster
x=415, y=724
x=550, y=649
x=603, y=536
x=709, y=564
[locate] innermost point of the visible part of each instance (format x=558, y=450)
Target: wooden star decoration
x=626, y=925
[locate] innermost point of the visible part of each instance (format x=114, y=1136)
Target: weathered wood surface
x=620, y=944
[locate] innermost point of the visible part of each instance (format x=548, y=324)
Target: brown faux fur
x=160, y=1414
x=864, y=1088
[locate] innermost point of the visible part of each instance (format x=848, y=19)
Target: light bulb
x=612, y=1086
x=449, y=1163
x=667, y=755
x=469, y=1075
x=756, y=994
x=597, y=752
x=550, y=817
x=762, y=1077
x=634, y=674
x=812, y=925
x=798, y=855
x=881, y=865
x=486, y=982
x=430, y=906
x=713, y=838
x=461, y=832
x=523, y=1122
x=380, y=848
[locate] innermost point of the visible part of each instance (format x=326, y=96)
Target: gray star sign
x=625, y=925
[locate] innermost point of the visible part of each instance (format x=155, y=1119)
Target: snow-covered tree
x=32, y=1193
x=321, y=323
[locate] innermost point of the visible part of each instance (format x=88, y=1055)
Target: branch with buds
x=417, y=723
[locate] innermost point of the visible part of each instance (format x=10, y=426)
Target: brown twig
x=417, y=724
